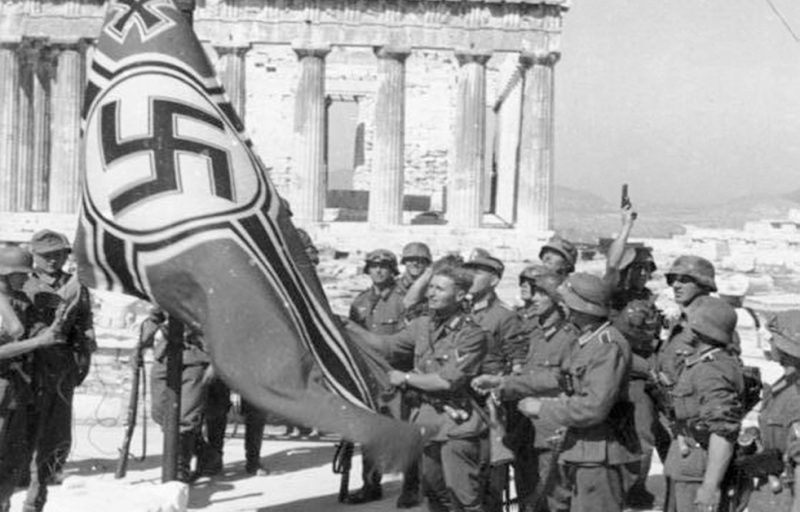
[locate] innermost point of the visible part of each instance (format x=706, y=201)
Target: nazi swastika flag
x=179, y=210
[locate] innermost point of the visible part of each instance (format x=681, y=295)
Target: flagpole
x=174, y=357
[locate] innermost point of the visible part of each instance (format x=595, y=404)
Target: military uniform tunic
x=599, y=450
x=779, y=422
x=508, y=344
x=454, y=459
x=15, y=397
x=707, y=400
x=379, y=311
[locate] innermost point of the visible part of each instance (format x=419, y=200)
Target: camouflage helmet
x=416, y=250
x=699, y=269
x=14, y=260
x=639, y=322
x=543, y=278
x=47, y=241
x=785, y=330
x=713, y=318
x=379, y=256
x=563, y=247
x=586, y=293
x=638, y=255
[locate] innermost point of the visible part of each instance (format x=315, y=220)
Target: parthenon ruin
x=446, y=102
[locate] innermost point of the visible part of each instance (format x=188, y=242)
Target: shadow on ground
x=330, y=503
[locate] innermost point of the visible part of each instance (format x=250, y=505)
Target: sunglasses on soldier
x=680, y=278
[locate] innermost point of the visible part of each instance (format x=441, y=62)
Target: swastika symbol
x=137, y=13
x=163, y=146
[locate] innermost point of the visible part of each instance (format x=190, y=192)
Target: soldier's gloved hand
x=530, y=407
x=707, y=498
x=484, y=384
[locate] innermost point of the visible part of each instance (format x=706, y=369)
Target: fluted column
x=41, y=131
x=231, y=70
x=535, y=190
x=9, y=83
x=26, y=139
x=387, y=178
x=66, y=150
x=508, y=125
x=308, y=175
x=464, y=190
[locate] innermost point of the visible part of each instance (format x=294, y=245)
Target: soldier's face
x=415, y=266
x=638, y=275
x=50, y=262
x=482, y=281
x=554, y=261
x=443, y=294
x=541, y=302
x=525, y=291
x=686, y=289
x=380, y=273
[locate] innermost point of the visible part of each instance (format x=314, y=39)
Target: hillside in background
x=585, y=217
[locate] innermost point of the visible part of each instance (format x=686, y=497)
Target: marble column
x=308, y=176
x=535, y=189
x=26, y=135
x=40, y=167
x=9, y=83
x=465, y=187
x=231, y=70
x=66, y=150
x=508, y=124
x=388, y=161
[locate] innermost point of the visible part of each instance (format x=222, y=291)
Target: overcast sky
x=685, y=100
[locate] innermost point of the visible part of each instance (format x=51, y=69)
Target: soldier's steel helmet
x=416, y=250
x=46, y=241
x=543, y=278
x=638, y=321
x=713, y=318
x=785, y=329
x=14, y=260
x=379, y=256
x=563, y=247
x=638, y=255
x=586, y=293
x=699, y=269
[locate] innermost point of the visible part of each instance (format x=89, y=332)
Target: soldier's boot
x=187, y=445
x=372, y=490
x=210, y=456
x=253, y=437
x=411, y=495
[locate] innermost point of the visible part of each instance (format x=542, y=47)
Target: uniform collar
x=485, y=302
x=588, y=332
x=706, y=354
x=384, y=293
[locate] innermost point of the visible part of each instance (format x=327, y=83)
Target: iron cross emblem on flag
x=145, y=15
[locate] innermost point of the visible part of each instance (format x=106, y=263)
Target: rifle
x=137, y=376
x=342, y=462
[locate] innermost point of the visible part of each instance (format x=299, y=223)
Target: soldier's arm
x=600, y=385
x=720, y=406
x=416, y=292
x=515, y=341
x=720, y=453
x=617, y=247
x=45, y=338
x=541, y=382
x=9, y=321
x=392, y=346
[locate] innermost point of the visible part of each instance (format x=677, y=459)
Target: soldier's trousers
x=453, y=473
x=193, y=395
x=595, y=488
x=254, y=421
x=51, y=438
x=218, y=402
x=13, y=450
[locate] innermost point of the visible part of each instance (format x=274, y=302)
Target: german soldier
x=508, y=347
x=551, y=341
x=16, y=394
x=599, y=453
x=707, y=408
x=378, y=309
x=417, y=260
x=58, y=370
x=559, y=255
x=778, y=464
x=448, y=348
